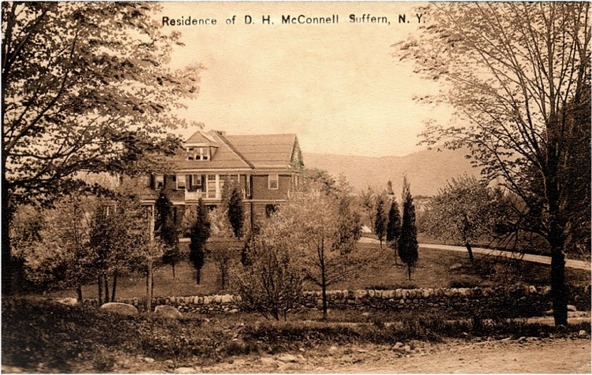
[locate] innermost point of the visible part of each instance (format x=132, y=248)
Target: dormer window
x=198, y=153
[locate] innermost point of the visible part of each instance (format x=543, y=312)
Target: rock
x=67, y=301
x=120, y=308
x=582, y=333
x=407, y=348
x=398, y=345
x=571, y=308
x=168, y=312
x=148, y=359
x=186, y=370
x=455, y=266
x=226, y=298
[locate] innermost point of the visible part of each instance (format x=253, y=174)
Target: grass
x=433, y=270
x=57, y=338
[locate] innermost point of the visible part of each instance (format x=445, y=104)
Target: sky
x=337, y=86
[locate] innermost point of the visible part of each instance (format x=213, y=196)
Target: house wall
x=260, y=187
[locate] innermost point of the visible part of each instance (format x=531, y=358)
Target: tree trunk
x=198, y=275
x=106, y=281
x=409, y=271
x=559, y=292
x=79, y=294
x=324, y=289
x=114, y=287
x=173, y=266
x=100, y=287
x=149, y=286
x=8, y=265
x=470, y=250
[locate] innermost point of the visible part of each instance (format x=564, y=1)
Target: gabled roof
x=224, y=157
x=201, y=138
x=264, y=151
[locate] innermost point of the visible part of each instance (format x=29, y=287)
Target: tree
x=463, y=211
x=309, y=225
x=224, y=258
x=380, y=219
x=393, y=227
x=368, y=201
x=271, y=283
x=166, y=229
x=84, y=87
x=519, y=78
x=200, y=232
x=236, y=216
x=407, y=246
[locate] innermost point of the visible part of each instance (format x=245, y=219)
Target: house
x=266, y=169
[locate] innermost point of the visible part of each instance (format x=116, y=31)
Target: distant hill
x=427, y=171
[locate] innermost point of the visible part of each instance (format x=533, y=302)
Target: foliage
x=225, y=259
x=393, y=226
x=90, y=79
x=380, y=218
x=84, y=88
x=118, y=239
x=519, y=78
x=166, y=229
x=60, y=255
x=271, y=283
x=219, y=222
x=236, y=216
x=407, y=246
x=368, y=202
x=309, y=224
x=466, y=210
x=200, y=232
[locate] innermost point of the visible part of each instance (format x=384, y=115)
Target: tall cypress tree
x=236, y=215
x=407, y=246
x=380, y=219
x=200, y=232
x=166, y=229
x=393, y=227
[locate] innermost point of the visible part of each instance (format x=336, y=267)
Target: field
x=433, y=271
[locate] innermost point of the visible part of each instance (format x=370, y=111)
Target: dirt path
x=570, y=263
x=510, y=356
x=526, y=355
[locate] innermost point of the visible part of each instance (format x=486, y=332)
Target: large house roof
x=263, y=151
x=266, y=151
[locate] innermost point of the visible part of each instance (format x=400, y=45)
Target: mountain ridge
x=427, y=171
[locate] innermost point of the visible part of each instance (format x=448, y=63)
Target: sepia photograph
x=296, y=187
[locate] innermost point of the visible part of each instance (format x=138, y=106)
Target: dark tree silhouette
x=393, y=227
x=408, y=248
x=200, y=232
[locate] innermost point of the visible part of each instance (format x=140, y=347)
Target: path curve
x=570, y=263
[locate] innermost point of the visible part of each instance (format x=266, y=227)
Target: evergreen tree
x=393, y=227
x=380, y=219
x=200, y=232
x=407, y=245
x=166, y=229
x=236, y=215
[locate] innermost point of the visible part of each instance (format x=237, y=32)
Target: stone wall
x=519, y=301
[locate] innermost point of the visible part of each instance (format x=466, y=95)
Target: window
x=158, y=182
x=196, y=182
x=273, y=181
x=211, y=186
x=181, y=182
